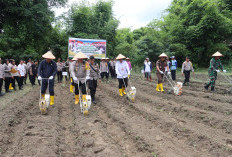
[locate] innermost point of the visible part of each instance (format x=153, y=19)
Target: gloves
x=218, y=71
x=87, y=77
x=169, y=73
x=50, y=78
x=224, y=71
x=161, y=72
x=39, y=78
x=75, y=78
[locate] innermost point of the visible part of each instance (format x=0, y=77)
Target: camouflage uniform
x=214, y=65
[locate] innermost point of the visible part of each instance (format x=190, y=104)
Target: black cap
x=187, y=57
x=91, y=57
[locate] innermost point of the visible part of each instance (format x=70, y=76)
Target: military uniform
x=214, y=65
x=162, y=65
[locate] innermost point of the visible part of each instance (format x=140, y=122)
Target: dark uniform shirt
x=34, y=69
x=47, y=69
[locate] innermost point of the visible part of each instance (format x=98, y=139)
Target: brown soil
x=197, y=123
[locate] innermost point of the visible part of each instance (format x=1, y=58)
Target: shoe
x=8, y=91
x=161, y=87
x=76, y=99
x=212, y=89
x=123, y=90
x=206, y=87
x=1, y=94
x=94, y=102
x=188, y=84
x=158, y=87
x=10, y=87
x=120, y=92
x=51, y=100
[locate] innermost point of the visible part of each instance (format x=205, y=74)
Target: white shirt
x=122, y=69
x=147, y=66
x=21, y=69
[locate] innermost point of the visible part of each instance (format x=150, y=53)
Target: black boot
x=212, y=89
x=206, y=86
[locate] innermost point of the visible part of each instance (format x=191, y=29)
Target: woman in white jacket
x=123, y=72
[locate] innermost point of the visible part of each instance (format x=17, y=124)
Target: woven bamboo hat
x=49, y=55
x=217, y=54
x=80, y=55
x=120, y=56
x=127, y=58
x=163, y=55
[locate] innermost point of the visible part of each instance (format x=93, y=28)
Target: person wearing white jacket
x=123, y=72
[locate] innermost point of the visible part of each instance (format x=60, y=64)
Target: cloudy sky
x=132, y=13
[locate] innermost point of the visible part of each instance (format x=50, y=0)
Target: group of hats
x=81, y=55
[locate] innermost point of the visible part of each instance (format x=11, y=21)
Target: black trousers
x=112, y=72
x=122, y=83
x=92, y=87
x=33, y=79
x=15, y=79
x=173, y=73
x=1, y=83
x=187, y=76
x=104, y=74
x=45, y=85
x=59, y=76
x=82, y=86
x=21, y=80
x=7, y=83
x=25, y=79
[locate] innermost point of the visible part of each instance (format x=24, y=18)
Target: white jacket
x=122, y=69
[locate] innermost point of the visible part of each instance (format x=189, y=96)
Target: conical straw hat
x=120, y=56
x=49, y=55
x=163, y=55
x=80, y=55
x=217, y=54
x=103, y=58
x=128, y=58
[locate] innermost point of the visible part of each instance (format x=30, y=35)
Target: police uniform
x=16, y=77
x=59, y=71
x=80, y=73
x=8, y=76
x=93, y=77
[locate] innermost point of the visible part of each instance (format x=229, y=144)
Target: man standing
x=123, y=72
x=2, y=76
x=93, y=77
x=72, y=62
x=215, y=64
x=80, y=73
x=25, y=76
x=187, y=67
x=8, y=76
x=104, y=69
x=161, y=65
x=173, y=67
x=22, y=72
x=46, y=73
x=112, y=68
x=148, y=69
x=59, y=70
x=28, y=68
x=15, y=74
x=33, y=72
x=129, y=63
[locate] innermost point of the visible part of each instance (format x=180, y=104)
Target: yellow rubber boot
x=158, y=87
x=161, y=87
x=120, y=92
x=76, y=99
x=43, y=96
x=10, y=87
x=123, y=90
x=71, y=88
x=51, y=100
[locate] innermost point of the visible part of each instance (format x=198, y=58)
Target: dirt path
x=197, y=123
